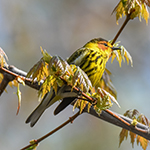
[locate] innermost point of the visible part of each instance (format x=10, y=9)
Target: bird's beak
x=115, y=48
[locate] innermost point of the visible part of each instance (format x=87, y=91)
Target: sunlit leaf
x=80, y=79
x=113, y=57
x=111, y=97
x=121, y=55
x=134, y=114
x=76, y=104
x=59, y=67
x=13, y=83
x=82, y=105
x=39, y=71
x=33, y=147
x=123, y=134
x=137, y=117
x=106, y=83
x=1, y=77
x=20, y=81
x=60, y=72
x=132, y=136
x=143, y=142
x=103, y=100
x=132, y=8
x=134, y=122
x=89, y=106
x=19, y=99
x=46, y=56
x=145, y=13
x=2, y=58
x=143, y=119
x=46, y=86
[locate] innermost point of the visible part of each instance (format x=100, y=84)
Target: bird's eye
x=105, y=44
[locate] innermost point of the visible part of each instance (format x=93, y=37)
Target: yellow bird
x=92, y=59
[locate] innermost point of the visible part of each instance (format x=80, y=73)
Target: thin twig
x=70, y=120
x=123, y=121
x=121, y=29
x=109, y=116
x=105, y=115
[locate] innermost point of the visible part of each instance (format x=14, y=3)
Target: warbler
x=92, y=59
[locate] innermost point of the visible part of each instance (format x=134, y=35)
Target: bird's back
x=90, y=61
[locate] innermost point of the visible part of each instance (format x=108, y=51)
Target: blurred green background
x=61, y=27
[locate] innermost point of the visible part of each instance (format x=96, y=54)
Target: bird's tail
x=64, y=92
x=35, y=115
x=64, y=103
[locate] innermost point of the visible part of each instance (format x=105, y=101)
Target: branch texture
x=12, y=72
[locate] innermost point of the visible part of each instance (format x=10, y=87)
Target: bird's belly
x=95, y=78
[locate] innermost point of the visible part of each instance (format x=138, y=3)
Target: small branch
x=121, y=29
x=6, y=79
x=90, y=99
x=4, y=84
x=70, y=120
x=106, y=115
x=11, y=72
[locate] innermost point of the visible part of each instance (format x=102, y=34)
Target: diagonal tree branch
x=119, y=120
x=70, y=120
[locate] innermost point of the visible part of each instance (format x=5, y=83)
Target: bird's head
x=101, y=45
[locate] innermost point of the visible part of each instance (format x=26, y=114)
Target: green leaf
x=46, y=56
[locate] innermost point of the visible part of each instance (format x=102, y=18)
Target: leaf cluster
x=137, y=117
x=121, y=55
x=55, y=72
x=133, y=9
